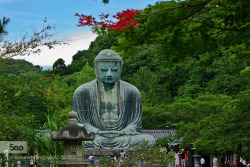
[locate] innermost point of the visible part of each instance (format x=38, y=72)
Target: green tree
x=16, y=128
x=194, y=26
x=149, y=85
x=156, y=117
x=18, y=66
x=59, y=66
x=225, y=132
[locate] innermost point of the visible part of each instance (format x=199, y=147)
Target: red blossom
x=125, y=20
x=136, y=25
x=103, y=16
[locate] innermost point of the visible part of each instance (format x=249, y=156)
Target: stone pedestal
x=72, y=164
x=100, y=154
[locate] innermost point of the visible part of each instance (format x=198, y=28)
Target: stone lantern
x=72, y=136
x=197, y=158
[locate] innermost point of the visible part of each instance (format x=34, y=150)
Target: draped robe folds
x=87, y=102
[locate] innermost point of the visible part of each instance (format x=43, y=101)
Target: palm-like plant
x=45, y=144
x=3, y=23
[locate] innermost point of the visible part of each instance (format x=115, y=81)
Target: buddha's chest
x=109, y=105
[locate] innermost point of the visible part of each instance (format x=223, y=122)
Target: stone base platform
x=72, y=164
x=101, y=154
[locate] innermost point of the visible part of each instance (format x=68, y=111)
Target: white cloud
x=47, y=57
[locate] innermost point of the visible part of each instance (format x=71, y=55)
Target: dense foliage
x=146, y=156
x=189, y=59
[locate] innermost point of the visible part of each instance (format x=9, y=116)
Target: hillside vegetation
x=189, y=71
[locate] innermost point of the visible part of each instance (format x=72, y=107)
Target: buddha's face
x=108, y=72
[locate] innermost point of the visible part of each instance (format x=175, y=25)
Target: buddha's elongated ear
x=96, y=64
x=120, y=64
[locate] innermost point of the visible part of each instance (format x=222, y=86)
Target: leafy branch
x=219, y=28
x=28, y=44
x=184, y=5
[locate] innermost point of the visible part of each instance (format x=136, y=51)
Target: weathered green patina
x=110, y=107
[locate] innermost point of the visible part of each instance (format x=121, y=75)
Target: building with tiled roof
x=157, y=134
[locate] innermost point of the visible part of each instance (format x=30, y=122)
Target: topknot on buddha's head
x=107, y=55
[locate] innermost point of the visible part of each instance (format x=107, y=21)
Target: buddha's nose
x=109, y=73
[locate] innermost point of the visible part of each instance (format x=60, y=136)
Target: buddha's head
x=108, y=66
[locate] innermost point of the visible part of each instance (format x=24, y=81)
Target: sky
x=27, y=16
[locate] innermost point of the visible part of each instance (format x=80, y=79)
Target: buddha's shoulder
x=86, y=86
x=128, y=86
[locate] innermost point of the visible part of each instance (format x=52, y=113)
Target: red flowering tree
x=125, y=20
